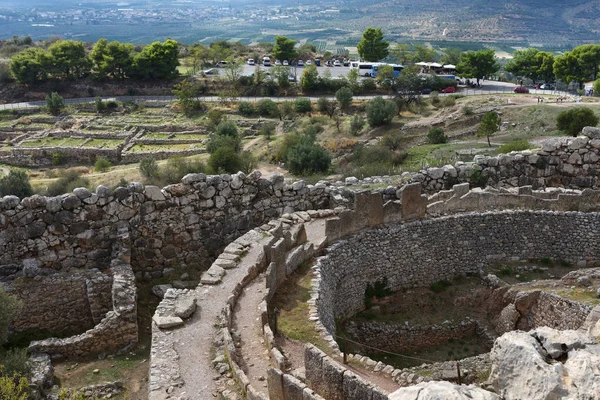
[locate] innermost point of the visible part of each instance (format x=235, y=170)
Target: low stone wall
x=130, y=157
x=61, y=303
x=423, y=252
x=179, y=226
x=118, y=329
x=403, y=338
x=40, y=157
x=566, y=162
x=333, y=381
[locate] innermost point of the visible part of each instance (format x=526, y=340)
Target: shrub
x=467, y=110
x=149, y=168
x=111, y=105
x=287, y=109
x=289, y=140
x=356, y=125
x=478, y=179
x=344, y=97
x=177, y=167
x=102, y=165
x=16, y=183
x=99, y=105
x=380, y=112
x=227, y=128
x=307, y=157
x=436, y=136
x=246, y=108
x=215, y=116
x=14, y=361
x=368, y=85
x=247, y=161
x=268, y=129
x=515, y=145
x=267, y=108
x=55, y=103
x=303, y=105
x=225, y=160
x=58, y=158
x=13, y=387
x=572, y=121
x=368, y=155
x=69, y=180
x=440, y=286
x=392, y=140
x=216, y=141
x=448, y=101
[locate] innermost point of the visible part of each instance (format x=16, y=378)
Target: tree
x=30, y=66
x=436, y=135
x=111, y=59
x=282, y=75
x=344, y=97
x=310, y=78
x=372, y=47
x=380, y=112
x=307, y=157
x=226, y=135
x=478, y=64
x=326, y=106
x=157, y=61
x=424, y=53
x=401, y=54
x=55, y=103
x=573, y=120
x=69, y=59
x=102, y=165
x=187, y=92
x=578, y=65
x=451, y=56
x=284, y=49
x=225, y=160
x=532, y=63
x=149, y=168
x=16, y=183
x=489, y=125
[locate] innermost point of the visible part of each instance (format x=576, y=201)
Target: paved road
x=489, y=87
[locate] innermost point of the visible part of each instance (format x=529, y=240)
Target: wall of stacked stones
x=567, y=162
x=118, y=329
x=181, y=224
x=396, y=337
x=60, y=304
x=27, y=157
x=422, y=252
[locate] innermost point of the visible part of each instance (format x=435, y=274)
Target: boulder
x=160, y=290
x=442, y=390
x=546, y=364
x=185, y=306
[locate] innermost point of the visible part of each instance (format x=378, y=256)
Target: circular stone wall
x=423, y=252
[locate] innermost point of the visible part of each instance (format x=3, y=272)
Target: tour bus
x=395, y=67
x=364, y=68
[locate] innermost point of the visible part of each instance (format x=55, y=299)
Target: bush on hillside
x=16, y=183
x=303, y=105
x=436, y=136
x=380, y=112
x=246, y=108
x=572, y=121
x=68, y=181
x=149, y=168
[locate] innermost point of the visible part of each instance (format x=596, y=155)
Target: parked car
x=547, y=86
x=211, y=71
x=286, y=63
x=308, y=62
x=250, y=61
x=337, y=63
x=300, y=63
x=346, y=62
x=221, y=64
x=521, y=89
x=318, y=62
x=277, y=62
x=426, y=91
x=449, y=89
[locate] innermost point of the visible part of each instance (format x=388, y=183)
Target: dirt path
x=247, y=322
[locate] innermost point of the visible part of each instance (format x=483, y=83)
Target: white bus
x=364, y=67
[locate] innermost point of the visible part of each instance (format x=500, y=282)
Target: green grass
x=53, y=142
x=515, y=145
x=291, y=300
x=104, y=143
x=161, y=147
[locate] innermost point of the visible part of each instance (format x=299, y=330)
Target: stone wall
x=118, y=329
x=566, y=162
x=42, y=157
x=403, y=338
x=422, y=252
x=61, y=304
x=333, y=381
x=181, y=225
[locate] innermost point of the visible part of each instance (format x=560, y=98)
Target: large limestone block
x=442, y=390
x=333, y=375
x=275, y=384
x=293, y=388
x=355, y=388
x=413, y=204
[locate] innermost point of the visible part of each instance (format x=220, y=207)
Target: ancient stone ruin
x=74, y=260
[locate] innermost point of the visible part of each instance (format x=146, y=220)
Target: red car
x=449, y=89
x=521, y=89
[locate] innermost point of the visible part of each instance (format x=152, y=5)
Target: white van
x=250, y=61
x=266, y=61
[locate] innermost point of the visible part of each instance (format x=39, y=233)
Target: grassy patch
x=104, y=143
x=161, y=147
x=291, y=301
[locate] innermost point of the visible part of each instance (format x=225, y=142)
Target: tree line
x=69, y=59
